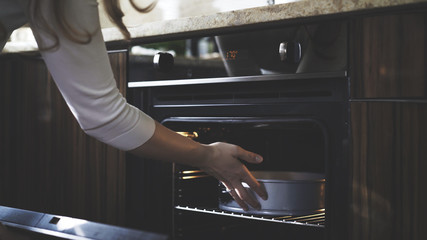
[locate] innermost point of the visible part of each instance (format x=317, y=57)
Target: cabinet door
x=48, y=163
x=388, y=56
x=389, y=166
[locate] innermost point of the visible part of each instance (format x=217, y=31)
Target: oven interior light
x=191, y=135
x=191, y=171
x=193, y=177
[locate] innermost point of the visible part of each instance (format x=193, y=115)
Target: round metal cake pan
x=289, y=193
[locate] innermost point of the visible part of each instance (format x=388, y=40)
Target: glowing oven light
x=191, y=135
x=191, y=171
x=193, y=177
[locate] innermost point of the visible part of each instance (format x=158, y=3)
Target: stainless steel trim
x=117, y=51
x=45, y=232
x=261, y=78
x=67, y=227
x=391, y=100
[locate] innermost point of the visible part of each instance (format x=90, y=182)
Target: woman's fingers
x=235, y=196
x=229, y=169
x=255, y=186
x=241, y=195
x=247, y=156
x=247, y=197
x=247, y=176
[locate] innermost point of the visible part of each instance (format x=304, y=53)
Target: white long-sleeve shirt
x=83, y=75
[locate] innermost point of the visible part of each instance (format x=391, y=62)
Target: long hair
x=112, y=8
x=115, y=13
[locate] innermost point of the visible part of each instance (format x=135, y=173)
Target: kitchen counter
x=278, y=12
x=238, y=18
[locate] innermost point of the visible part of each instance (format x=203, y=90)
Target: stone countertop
x=238, y=18
x=272, y=13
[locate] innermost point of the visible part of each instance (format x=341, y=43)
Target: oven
x=280, y=91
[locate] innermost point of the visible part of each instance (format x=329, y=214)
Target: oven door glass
x=287, y=144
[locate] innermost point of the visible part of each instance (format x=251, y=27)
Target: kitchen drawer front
x=388, y=162
x=388, y=56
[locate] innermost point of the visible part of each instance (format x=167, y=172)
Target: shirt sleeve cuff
x=136, y=136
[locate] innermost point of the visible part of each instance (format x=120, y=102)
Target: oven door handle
x=242, y=79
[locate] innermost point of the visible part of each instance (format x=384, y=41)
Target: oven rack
x=312, y=220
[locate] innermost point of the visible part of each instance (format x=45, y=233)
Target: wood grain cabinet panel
x=48, y=163
x=389, y=166
x=388, y=56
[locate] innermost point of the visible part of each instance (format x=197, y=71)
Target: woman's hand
x=223, y=161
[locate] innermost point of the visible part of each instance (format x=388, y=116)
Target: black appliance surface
x=305, y=48
x=292, y=112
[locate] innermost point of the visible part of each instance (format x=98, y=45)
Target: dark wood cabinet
x=388, y=114
x=389, y=153
x=389, y=55
x=48, y=164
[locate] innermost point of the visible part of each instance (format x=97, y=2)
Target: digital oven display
x=235, y=54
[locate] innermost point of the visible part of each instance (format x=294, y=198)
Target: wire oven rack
x=314, y=220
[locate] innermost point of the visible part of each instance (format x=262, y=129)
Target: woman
x=69, y=36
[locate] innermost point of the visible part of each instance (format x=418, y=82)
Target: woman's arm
x=221, y=160
x=83, y=74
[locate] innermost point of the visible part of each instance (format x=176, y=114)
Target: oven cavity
x=293, y=113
